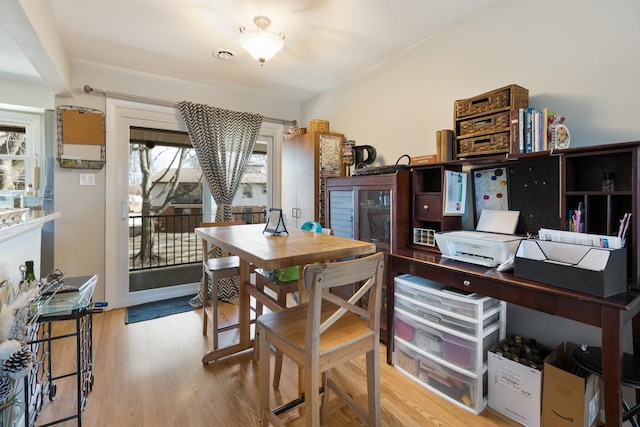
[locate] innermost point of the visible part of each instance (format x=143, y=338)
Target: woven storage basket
x=293, y=132
x=319, y=126
x=493, y=123
x=490, y=144
x=512, y=97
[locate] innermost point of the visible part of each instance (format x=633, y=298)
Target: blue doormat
x=157, y=309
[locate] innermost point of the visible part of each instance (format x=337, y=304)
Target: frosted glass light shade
x=261, y=44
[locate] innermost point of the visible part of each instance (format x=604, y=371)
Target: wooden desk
x=271, y=252
x=609, y=314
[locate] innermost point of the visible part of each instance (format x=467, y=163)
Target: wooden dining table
x=257, y=249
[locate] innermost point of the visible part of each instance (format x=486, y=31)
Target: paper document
x=597, y=240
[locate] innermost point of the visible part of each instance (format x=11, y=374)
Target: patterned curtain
x=223, y=141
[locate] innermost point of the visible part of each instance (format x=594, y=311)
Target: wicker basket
x=512, y=97
x=293, y=132
x=493, y=123
x=489, y=144
x=319, y=126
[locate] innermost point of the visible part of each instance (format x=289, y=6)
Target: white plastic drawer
x=465, y=391
x=426, y=291
x=429, y=314
x=454, y=349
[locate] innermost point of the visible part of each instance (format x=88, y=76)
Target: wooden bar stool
x=215, y=267
x=324, y=333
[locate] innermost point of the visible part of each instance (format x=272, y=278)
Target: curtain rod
x=89, y=89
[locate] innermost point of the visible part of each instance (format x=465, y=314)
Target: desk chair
x=325, y=333
x=215, y=266
x=589, y=359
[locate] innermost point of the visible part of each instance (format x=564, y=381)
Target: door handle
x=124, y=210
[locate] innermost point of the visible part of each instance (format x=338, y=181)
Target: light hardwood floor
x=150, y=374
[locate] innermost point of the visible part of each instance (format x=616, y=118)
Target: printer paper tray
x=473, y=260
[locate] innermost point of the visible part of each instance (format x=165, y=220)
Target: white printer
x=491, y=244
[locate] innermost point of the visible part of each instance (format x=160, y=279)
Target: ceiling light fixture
x=260, y=43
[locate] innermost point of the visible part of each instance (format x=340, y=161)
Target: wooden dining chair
x=324, y=333
x=215, y=266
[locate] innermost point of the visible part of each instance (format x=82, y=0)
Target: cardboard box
x=568, y=400
x=515, y=390
x=593, y=270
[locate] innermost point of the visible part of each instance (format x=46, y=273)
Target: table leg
x=611, y=327
x=390, y=287
x=244, y=312
x=303, y=297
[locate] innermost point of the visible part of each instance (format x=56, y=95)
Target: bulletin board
x=532, y=188
x=81, y=137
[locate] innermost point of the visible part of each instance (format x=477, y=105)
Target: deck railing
x=175, y=242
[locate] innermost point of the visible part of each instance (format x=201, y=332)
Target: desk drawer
x=427, y=206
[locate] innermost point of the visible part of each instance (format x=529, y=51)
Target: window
x=13, y=157
x=247, y=190
x=20, y=142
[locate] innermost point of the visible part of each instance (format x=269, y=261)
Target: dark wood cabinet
x=428, y=203
x=372, y=208
x=544, y=187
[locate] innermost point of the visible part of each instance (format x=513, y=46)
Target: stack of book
x=533, y=130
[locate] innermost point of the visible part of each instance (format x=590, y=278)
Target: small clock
x=563, y=137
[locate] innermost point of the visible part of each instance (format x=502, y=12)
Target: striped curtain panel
x=223, y=141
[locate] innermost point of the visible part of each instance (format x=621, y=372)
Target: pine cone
x=6, y=389
x=19, y=329
x=18, y=363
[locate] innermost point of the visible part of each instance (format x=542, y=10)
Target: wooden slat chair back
x=326, y=332
x=215, y=266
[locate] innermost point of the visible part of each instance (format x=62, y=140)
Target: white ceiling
x=326, y=41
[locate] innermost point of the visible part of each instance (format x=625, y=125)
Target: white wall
x=579, y=57
x=21, y=94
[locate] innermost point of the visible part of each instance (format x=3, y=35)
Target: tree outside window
x=13, y=157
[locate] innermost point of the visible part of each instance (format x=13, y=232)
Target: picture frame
x=275, y=222
x=455, y=192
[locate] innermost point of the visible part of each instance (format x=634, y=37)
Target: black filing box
x=593, y=270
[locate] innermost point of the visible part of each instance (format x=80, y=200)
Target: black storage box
x=593, y=270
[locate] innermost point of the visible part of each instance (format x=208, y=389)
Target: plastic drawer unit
x=442, y=336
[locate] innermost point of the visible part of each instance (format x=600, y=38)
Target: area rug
x=157, y=309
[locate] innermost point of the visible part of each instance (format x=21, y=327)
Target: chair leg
x=312, y=396
x=277, y=371
x=259, y=308
x=324, y=408
x=373, y=386
x=205, y=302
x=626, y=408
x=214, y=309
x=263, y=379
